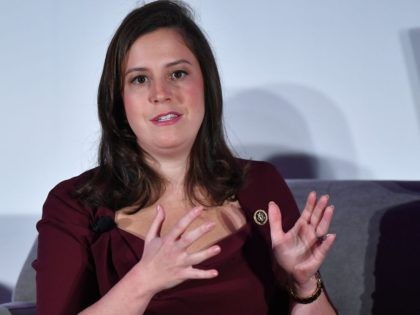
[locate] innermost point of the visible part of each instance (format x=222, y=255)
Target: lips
x=166, y=118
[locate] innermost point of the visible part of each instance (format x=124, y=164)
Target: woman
x=170, y=222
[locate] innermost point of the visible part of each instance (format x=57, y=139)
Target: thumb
x=275, y=220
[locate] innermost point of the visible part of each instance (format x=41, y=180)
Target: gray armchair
x=373, y=268
x=24, y=293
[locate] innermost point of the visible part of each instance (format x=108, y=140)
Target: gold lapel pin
x=260, y=217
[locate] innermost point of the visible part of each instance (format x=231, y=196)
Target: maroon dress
x=77, y=264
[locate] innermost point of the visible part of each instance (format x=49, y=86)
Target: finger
x=319, y=210
x=189, y=237
x=154, y=230
x=324, y=223
x=309, y=206
x=183, y=223
x=321, y=251
x=274, y=218
x=202, y=255
x=194, y=273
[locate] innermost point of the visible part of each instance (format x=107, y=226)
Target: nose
x=160, y=91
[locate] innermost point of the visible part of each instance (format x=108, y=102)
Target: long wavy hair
x=123, y=178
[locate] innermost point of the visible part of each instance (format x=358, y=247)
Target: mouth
x=166, y=118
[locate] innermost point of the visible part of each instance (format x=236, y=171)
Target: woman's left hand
x=301, y=251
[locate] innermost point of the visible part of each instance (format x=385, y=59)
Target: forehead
x=163, y=44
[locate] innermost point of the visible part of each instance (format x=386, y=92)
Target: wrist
x=132, y=291
x=142, y=285
x=304, y=288
x=306, y=292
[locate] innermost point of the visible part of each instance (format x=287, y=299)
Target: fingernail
x=332, y=207
x=197, y=210
x=326, y=196
x=158, y=208
x=214, y=273
x=216, y=249
x=210, y=225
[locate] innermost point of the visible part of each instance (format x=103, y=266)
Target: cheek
x=129, y=102
x=132, y=103
x=133, y=110
x=196, y=93
x=201, y=104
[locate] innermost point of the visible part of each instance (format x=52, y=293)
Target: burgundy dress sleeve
x=65, y=277
x=265, y=184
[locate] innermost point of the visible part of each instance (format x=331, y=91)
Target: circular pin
x=260, y=217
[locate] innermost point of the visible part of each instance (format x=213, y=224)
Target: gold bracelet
x=311, y=298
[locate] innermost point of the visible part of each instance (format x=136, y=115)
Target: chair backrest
x=373, y=266
x=4, y=310
x=25, y=289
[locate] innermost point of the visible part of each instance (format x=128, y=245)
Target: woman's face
x=163, y=93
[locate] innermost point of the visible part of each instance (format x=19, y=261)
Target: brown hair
x=123, y=178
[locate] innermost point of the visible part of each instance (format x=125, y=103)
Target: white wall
x=334, y=84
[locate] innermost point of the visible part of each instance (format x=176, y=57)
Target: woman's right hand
x=166, y=262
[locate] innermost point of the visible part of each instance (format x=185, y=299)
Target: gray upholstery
x=373, y=266
x=24, y=293
x=377, y=227
x=4, y=310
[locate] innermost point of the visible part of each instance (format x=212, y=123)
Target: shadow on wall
x=393, y=260
x=312, y=167
x=410, y=40
x=291, y=126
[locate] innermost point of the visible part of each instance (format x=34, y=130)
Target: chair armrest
x=18, y=308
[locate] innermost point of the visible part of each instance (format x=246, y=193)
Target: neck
x=172, y=169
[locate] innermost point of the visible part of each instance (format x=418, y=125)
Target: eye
x=179, y=74
x=140, y=79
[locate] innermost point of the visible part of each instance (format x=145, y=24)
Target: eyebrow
x=170, y=64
